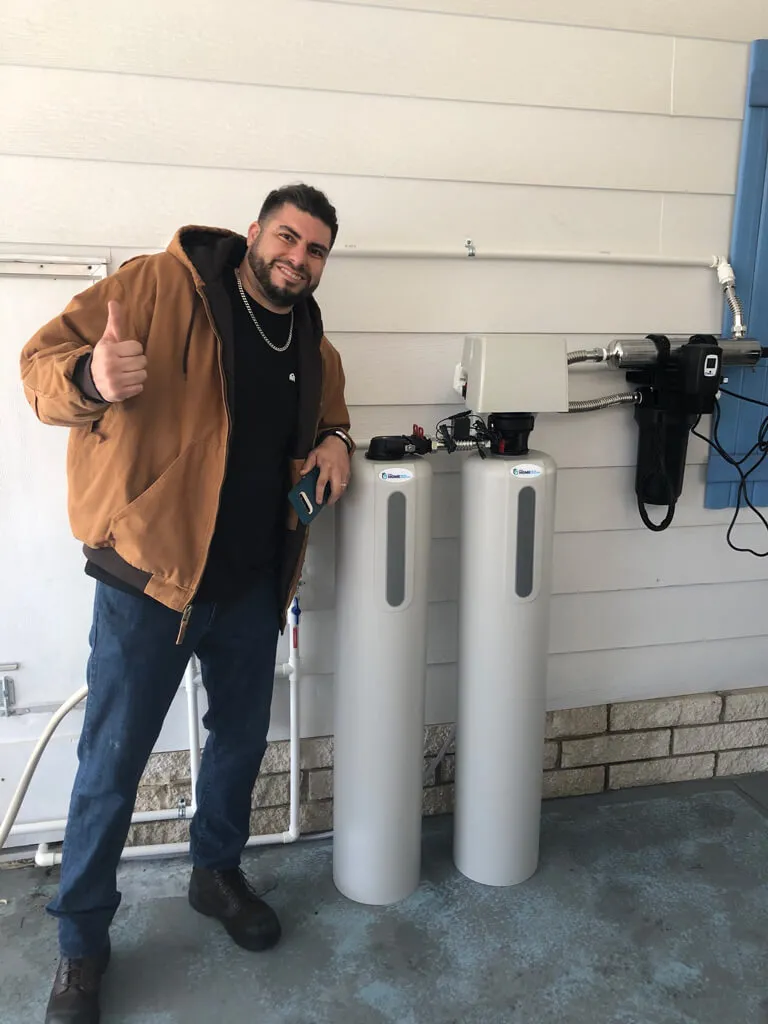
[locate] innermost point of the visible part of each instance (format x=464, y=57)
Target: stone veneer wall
x=587, y=750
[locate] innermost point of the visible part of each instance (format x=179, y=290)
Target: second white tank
x=508, y=507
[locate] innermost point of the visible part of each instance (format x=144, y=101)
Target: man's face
x=287, y=254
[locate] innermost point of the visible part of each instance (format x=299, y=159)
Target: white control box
x=513, y=373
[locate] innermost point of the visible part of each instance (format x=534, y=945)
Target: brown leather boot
x=75, y=994
x=227, y=896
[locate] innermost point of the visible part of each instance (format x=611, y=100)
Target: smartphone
x=303, y=497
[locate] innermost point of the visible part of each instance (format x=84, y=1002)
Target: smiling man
x=198, y=386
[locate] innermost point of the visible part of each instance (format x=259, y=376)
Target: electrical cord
x=477, y=428
x=648, y=522
x=661, y=468
x=744, y=398
x=760, y=445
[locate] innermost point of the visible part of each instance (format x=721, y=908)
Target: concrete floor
x=650, y=907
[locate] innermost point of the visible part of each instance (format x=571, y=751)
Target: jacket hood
x=208, y=252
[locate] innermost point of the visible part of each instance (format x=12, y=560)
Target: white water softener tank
x=508, y=508
x=382, y=561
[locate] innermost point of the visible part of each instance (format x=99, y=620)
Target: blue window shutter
x=740, y=421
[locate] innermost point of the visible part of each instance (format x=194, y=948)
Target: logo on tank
x=395, y=474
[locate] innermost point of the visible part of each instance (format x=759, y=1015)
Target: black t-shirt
x=251, y=520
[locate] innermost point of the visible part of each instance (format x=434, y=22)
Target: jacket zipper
x=188, y=341
x=186, y=614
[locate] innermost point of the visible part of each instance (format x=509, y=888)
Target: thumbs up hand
x=118, y=365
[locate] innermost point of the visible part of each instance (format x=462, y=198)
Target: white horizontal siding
x=592, y=500
x=354, y=49
x=170, y=121
x=708, y=19
x=630, y=619
x=621, y=560
x=617, y=560
x=573, y=680
x=649, y=618
x=448, y=296
x=710, y=78
x=590, y=622
x=604, y=499
x=695, y=224
x=381, y=51
x=595, y=677
x=576, y=679
x=99, y=207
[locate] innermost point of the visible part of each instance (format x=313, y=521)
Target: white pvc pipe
x=467, y=251
x=528, y=256
x=37, y=753
x=53, y=266
x=26, y=257
x=44, y=857
x=193, y=726
x=139, y=817
x=294, y=663
x=282, y=671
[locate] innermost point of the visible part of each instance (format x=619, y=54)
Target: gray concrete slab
x=649, y=907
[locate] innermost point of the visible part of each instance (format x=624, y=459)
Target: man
x=198, y=386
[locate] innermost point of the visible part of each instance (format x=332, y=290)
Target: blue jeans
x=134, y=671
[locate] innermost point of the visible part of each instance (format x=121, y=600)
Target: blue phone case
x=303, y=497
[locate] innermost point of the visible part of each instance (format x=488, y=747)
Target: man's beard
x=262, y=271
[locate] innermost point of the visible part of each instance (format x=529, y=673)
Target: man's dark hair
x=305, y=198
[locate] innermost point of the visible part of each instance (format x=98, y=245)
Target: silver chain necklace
x=247, y=304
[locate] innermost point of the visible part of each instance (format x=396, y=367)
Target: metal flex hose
x=598, y=355
x=584, y=355
x=608, y=402
x=727, y=279
x=739, y=328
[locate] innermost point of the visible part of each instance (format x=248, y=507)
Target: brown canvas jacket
x=144, y=476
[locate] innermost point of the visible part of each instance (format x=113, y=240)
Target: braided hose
x=584, y=355
x=460, y=446
x=739, y=328
x=727, y=279
x=595, y=404
x=467, y=446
